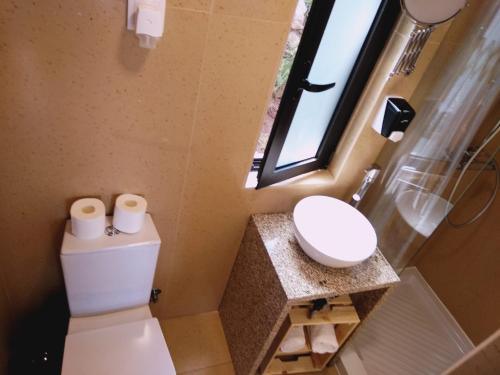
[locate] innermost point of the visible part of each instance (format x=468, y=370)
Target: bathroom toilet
x=108, y=284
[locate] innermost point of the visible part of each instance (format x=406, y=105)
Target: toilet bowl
x=108, y=283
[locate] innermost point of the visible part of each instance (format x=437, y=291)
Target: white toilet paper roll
x=88, y=217
x=129, y=213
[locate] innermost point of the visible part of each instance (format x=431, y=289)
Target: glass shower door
x=410, y=199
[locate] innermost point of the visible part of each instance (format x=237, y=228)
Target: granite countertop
x=302, y=278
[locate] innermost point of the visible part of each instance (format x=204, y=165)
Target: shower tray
x=410, y=333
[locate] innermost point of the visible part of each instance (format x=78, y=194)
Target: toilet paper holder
x=155, y=295
x=147, y=18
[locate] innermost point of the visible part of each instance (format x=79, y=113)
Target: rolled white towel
x=294, y=340
x=323, y=339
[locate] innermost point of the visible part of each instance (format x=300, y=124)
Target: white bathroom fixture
x=147, y=18
x=108, y=284
x=332, y=232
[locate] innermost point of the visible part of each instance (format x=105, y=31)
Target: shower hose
x=494, y=131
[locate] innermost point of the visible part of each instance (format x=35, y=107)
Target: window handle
x=311, y=87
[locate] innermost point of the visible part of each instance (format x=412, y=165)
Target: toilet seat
x=134, y=348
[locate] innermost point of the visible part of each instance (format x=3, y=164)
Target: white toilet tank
x=109, y=273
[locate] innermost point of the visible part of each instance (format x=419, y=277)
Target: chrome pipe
x=371, y=175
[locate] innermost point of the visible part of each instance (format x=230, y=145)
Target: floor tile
x=225, y=369
x=326, y=371
x=197, y=342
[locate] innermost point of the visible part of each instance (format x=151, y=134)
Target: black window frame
x=376, y=39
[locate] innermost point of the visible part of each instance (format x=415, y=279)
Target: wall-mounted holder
x=147, y=18
x=426, y=14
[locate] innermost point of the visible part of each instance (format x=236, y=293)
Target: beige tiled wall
x=84, y=111
x=240, y=60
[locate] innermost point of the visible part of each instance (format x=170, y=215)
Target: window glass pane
x=342, y=40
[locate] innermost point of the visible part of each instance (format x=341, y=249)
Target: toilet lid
x=126, y=349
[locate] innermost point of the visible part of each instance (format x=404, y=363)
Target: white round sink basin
x=332, y=232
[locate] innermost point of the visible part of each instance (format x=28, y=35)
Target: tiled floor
x=198, y=346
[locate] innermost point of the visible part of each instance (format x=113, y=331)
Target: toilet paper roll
x=129, y=213
x=88, y=217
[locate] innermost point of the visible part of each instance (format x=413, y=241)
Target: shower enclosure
x=410, y=198
x=412, y=332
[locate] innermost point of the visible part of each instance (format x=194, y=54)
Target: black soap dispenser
x=393, y=118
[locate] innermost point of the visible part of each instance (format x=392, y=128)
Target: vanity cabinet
x=271, y=288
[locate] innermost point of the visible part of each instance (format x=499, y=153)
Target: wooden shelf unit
x=340, y=312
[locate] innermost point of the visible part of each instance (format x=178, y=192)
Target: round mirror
x=432, y=12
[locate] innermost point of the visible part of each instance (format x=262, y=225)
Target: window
x=339, y=46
